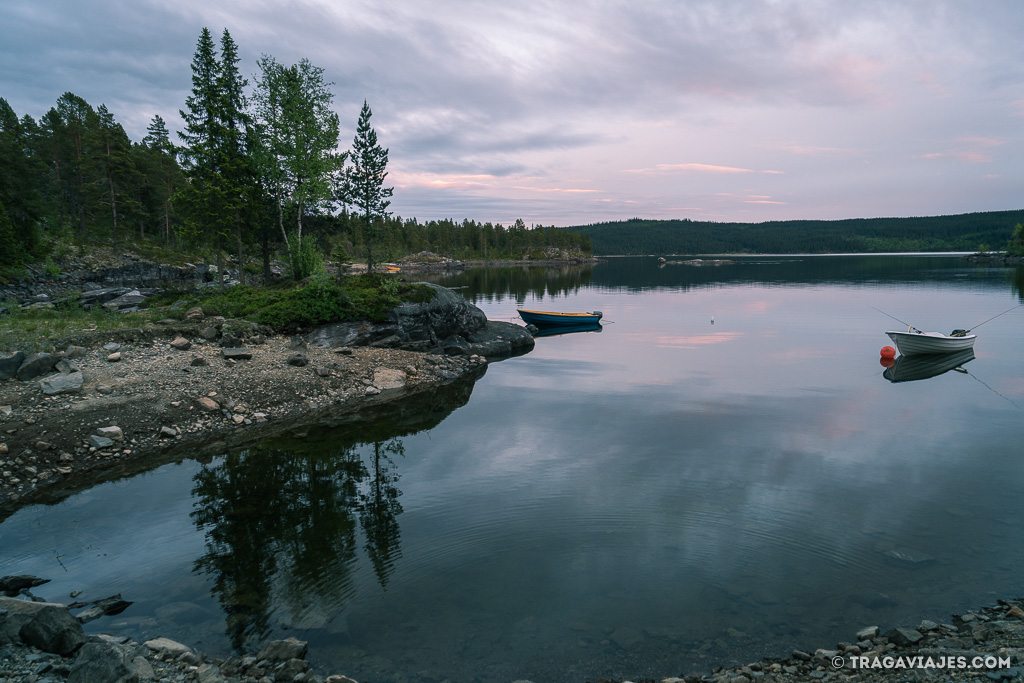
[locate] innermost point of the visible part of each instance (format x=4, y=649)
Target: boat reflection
x=555, y=330
x=910, y=368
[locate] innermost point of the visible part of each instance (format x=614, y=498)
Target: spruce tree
x=213, y=155
x=364, y=180
x=162, y=170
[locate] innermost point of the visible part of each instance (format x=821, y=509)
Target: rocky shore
x=44, y=642
x=116, y=402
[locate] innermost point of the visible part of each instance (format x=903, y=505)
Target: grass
x=286, y=308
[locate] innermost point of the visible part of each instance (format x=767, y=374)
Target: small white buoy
x=712, y=320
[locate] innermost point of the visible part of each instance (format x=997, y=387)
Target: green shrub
x=306, y=258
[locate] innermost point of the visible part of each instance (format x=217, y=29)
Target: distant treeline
x=965, y=232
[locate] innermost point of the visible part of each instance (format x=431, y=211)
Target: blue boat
x=548, y=318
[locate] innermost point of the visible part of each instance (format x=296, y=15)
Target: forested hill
x=965, y=232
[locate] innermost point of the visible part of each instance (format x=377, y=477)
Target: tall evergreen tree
x=235, y=164
x=213, y=153
x=163, y=169
x=19, y=198
x=111, y=165
x=364, y=181
x=70, y=124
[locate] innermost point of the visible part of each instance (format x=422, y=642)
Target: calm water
x=658, y=497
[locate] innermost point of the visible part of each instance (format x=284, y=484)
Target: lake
x=722, y=472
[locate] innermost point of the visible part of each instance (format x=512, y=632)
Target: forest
x=965, y=232
x=255, y=175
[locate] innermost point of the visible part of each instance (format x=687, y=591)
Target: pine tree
x=364, y=180
x=163, y=169
x=19, y=199
x=111, y=165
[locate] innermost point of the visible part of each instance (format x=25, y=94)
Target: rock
x=6, y=411
x=181, y=344
x=198, y=361
x=207, y=673
x=209, y=333
x=297, y=344
x=1015, y=613
x=415, y=327
x=230, y=341
x=323, y=372
x=62, y=384
x=102, y=661
x=47, y=626
x=104, y=389
x=283, y=650
x=167, y=647
x=66, y=366
x=168, y=432
x=298, y=360
x=74, y=352
x=867, y=633
x=501, y=339
x=346, y=679
x=194, y=313
x=114, y=357
x=111, y=432
x=904, y=636
x=128, y=300
x=387, y=378
x=9, y=365
x=12, y=585
x=236, y=353
x=111, y=347
x=99, y=441
x=207, y=404
x=35, y=365
x=290, y=670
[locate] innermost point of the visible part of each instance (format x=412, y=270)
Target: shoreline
x=161, y=393
x=985, y=644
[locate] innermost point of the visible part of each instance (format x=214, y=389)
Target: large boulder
x=70, y=383
x=500, y=339
x=414, y=327
x=39, y=363
x=47, y=626
x=9, y=366
x=104, y=661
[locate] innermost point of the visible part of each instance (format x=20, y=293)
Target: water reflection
x=1017, y=282
x=556, y=330
x=282, y=521
x=517, y=282
x=911, y=368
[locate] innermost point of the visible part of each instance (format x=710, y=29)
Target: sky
x=571, y=112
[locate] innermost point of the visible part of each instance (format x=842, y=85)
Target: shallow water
x=721, y=472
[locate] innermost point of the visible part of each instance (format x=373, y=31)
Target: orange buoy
x=888, y=352
x=887, y=362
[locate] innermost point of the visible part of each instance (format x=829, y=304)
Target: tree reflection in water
x=282, y=520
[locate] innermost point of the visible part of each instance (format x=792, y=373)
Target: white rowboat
x=918, y=343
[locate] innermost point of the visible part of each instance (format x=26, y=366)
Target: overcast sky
x=576, y=112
